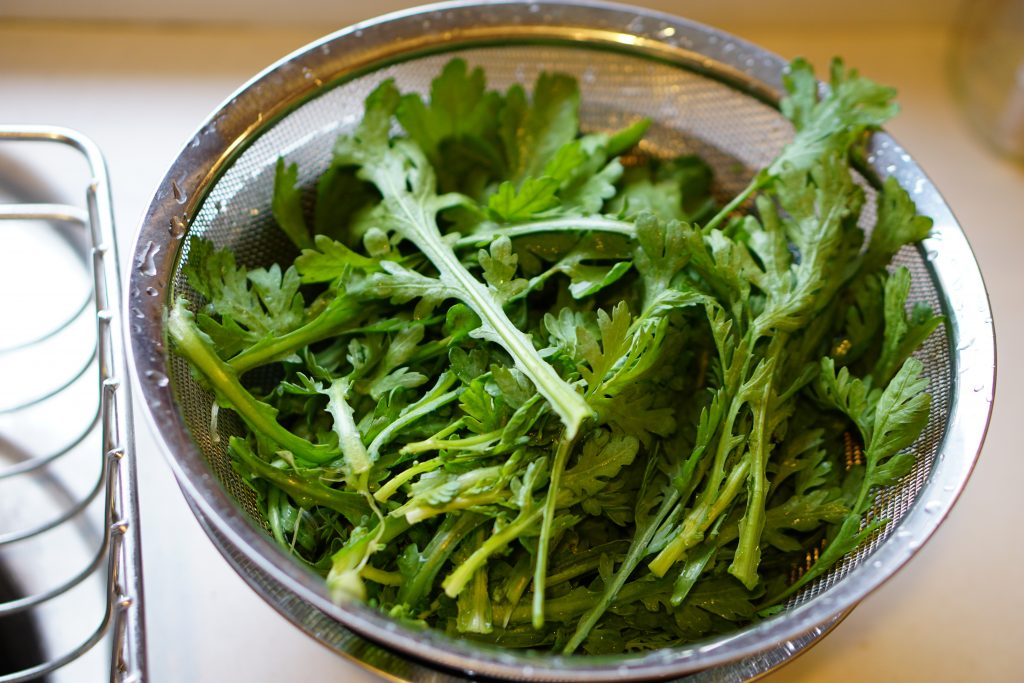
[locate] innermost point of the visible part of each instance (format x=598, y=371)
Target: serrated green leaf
x=499, y=266
x=330, y=260
x=603, y=456
x=286, y=205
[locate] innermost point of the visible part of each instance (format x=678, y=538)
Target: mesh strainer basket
x=707, y=93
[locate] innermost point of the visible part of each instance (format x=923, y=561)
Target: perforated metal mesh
x=733, y=131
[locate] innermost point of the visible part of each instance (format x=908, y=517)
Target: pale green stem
x=544, y=541
x=456, y=581
x=591, y=223
x=190, y=343
x=435, y=444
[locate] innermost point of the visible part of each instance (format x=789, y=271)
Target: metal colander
x=708, y=93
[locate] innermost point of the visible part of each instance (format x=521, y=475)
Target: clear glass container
x=987, y=68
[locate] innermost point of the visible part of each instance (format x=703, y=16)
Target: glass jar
x=988, y=71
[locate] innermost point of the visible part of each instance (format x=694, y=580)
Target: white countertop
x=955, y=613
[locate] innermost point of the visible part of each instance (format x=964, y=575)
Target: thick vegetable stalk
x=406, y=180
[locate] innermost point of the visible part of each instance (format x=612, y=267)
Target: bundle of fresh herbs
x=528, y=393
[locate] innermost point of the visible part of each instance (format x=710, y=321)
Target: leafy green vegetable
x=529, y=392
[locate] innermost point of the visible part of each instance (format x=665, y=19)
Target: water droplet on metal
x=667, y=32
x=147, y=259
x=178, y=227
x=308, y=74
x=965, y=344
x=152, y=291
x=179, y=195
x=157, y=378
x=932, y=506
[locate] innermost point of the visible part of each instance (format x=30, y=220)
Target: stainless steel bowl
x=707, y=92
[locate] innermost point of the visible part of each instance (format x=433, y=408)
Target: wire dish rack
x=70, y=563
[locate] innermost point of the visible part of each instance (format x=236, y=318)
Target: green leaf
x=626, y=138
x=340, y=198
x=534, y=134
x=499, y=269
x=661, y=253
x=286, y=205
x=468, y=365
x=399, y=284
x=900, y=415
x=802, y=512
x=514, y=386
x=252, y=304
x=484, y=413
x=331, y=260
x=636, y=412
x=674, y=189
x=852, y=105
x=589, y=191
x=460, y=108
x=898, y=224
x=849, y=537
x=847, y=394
x=724, y=597
x=279, y=295
x=903, y=333
x=585, y=281
x=603, y=456
x=534, y=197
x=614, y=342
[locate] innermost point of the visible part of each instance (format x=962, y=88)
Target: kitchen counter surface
x=955, y=613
